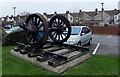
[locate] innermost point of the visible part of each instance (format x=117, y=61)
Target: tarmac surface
x=105, y=45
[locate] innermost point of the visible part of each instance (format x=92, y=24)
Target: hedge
x=2, y=34
x=13, y=37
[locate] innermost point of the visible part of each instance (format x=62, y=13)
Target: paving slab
x=44, y=65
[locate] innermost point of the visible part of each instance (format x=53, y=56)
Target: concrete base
x=44, y=65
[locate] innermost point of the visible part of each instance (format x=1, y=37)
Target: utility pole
x=102, y=12
x=102, y=21
x=14, y=15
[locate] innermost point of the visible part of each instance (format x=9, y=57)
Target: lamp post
x=14, y=15
x=102, y=23
x=102, y=12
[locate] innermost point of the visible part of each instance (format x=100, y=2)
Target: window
x=85, y=30
x=75, y=31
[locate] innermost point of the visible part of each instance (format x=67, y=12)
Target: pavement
x=105, y=45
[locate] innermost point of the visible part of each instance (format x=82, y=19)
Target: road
x=105, y=45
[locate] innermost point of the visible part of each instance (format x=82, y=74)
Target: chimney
x=55, y=12
x=115, y=11
x=80, y=11
x=44, y=13
x=67, y=12
x=96, y=10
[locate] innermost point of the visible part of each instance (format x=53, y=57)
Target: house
x=11, y=18
x=105, y=18
x=88, y=18
x=69, y=16
x=85, y=16
x=112, y=14
x=117, y=18
x=74, y=18
x=7, y=19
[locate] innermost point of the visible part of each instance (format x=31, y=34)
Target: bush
x=13, y=37
x=2, y=34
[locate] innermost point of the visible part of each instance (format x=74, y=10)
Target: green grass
x=0, y=61
x=15, y=66
x=97, y=65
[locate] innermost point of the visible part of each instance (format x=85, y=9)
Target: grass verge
x=97, y=65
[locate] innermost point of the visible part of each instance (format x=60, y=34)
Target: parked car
x=14, y=29
x=8, y=26
x=80, y=35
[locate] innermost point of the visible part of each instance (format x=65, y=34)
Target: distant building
x=119, y=5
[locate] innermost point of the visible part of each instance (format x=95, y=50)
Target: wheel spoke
x=64, y=34
x=30, y=38
x=34, y=38
x=58, y=36
x=38, y=22
x=30, y=23
x=58, y=21
x=62, y=23
x=61, y=37
x=53, y=34
x=35, y=21
x=40, y=25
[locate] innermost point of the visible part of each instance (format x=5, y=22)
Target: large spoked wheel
x=60, y=29
x=36, y=30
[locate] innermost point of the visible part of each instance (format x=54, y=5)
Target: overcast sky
x=49, y=6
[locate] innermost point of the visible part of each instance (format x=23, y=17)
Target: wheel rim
x=37, y=30
x=62, y=29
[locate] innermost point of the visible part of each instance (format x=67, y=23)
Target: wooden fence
x=105, y=30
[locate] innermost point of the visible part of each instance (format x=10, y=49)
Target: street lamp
x=102, y=12
x=102, y=23
x=14, y=14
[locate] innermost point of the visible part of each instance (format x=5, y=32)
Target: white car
x=80, y=35
x=17, y=28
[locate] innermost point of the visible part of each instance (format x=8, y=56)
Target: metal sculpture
x=37, y=29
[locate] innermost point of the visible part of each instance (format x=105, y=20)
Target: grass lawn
x=97, y=65
x=0, y=60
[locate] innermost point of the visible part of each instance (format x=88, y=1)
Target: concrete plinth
x=44, y=65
